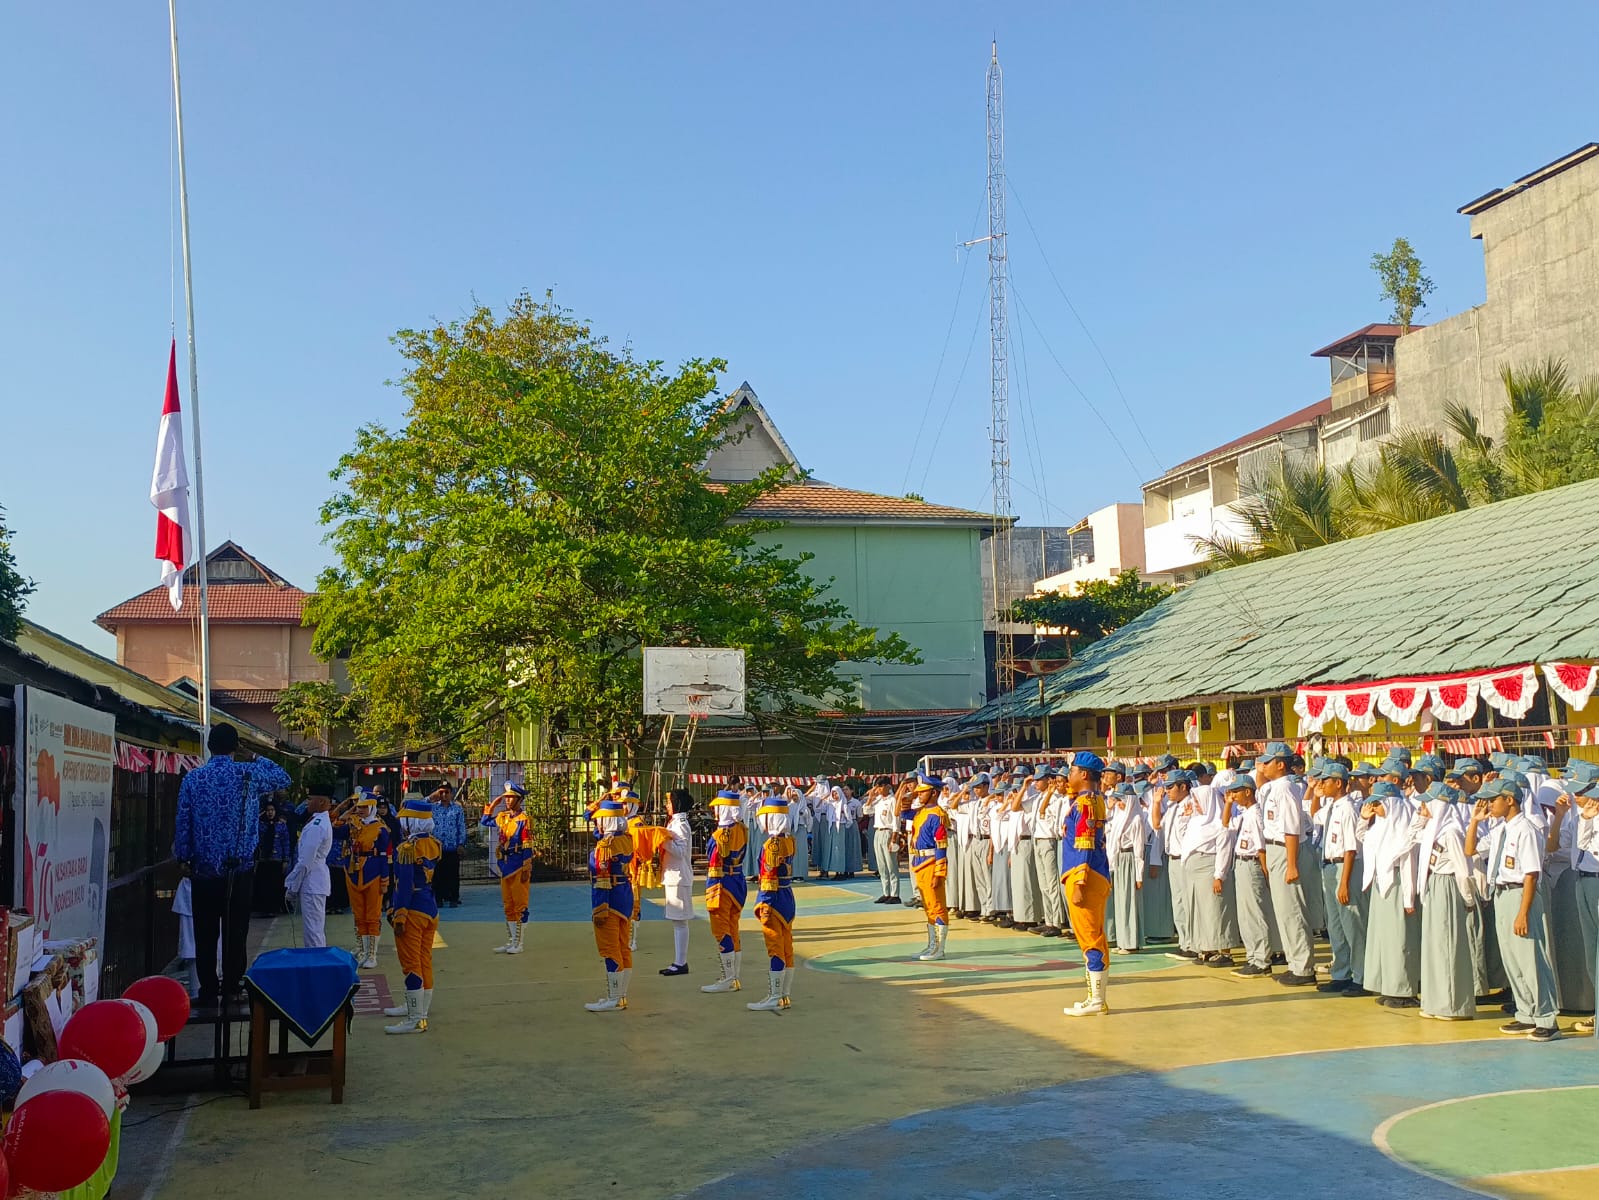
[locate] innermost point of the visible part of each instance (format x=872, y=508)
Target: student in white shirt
x=1571, y=946
x=976, y=855
x=820, y=796
x=1046, y=853
x=1515, y=859
x=800, y=821
x=1027, y=901
x=951, y=800
x=1447, y=893
x=1003, y=827
x=1283, y=826
x=677, y=876
x=1208, y=861
x=1343, y=891
x=309, y=882
x=1126, y=838
x=1243, y=855
x=1393, y=926
x=1586, y=845
x=883, y=808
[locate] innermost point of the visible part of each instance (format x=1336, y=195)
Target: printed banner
x=70, y=755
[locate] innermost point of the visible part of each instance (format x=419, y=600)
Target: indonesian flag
x=169, y=490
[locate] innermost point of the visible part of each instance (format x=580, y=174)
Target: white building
x=1103, y=544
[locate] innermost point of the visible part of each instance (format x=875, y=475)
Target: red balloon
x=107, y=1033
x=166, y=998
x=56, y=1141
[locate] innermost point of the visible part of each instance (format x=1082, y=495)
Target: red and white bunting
x=1572, y=682
x=1452, y=699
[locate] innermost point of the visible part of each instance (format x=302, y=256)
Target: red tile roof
x=1294, y=420
x=245, y=695
x=1369, y=331
x=824, y=502
x=230, y=603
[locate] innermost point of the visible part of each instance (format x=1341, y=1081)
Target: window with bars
x=1126, y=724
x=1249, y=720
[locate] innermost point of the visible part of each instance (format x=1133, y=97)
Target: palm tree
x=1295, y=509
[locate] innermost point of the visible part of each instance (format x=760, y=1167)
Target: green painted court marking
x=1503, y=1133
x=979, y=959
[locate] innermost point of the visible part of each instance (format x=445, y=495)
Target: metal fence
x=141, y=932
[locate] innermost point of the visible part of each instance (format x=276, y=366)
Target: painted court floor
x=887, y=1078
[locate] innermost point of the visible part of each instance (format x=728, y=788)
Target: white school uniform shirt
x=310, y=874
x=1206, y=826
x=1516, y=852
x=1445, y=854
x=885, y=812
x=1391, y=851
x=1032, y=800
x=677, y=868
x=1343, y=830
x=1051, y=815
x=1127, y=832
x=982, y=815
x=1281, y=813
x=1005, y=829
x=1586, y=844
x=1241, y=839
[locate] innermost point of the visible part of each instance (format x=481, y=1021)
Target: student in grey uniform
x=1343, y=892
x=1574, y=937
x=955, y=878
x=1283, y=826
x=1515, y=859
x=1171, y=821
x=1393, y=926
x=1447, y=892
x=1126, y=841
x=753, y=831
x=1002, y=829
x=821, y=798
x=882, y=806
x=1585, y=786
x=1198, y=822
x=799, y=813
x=1046, y=853
x=1028, y=901
x=1245, y=851
x=1309, y=846
x=979, y=875
x=1158, y=923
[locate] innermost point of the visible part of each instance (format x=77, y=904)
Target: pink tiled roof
x=824, y=502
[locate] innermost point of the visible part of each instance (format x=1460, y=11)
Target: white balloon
x=154, y=1055
x=151, y=1029
x=71, y=1075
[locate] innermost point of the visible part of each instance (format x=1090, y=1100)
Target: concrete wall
x=1118, y=541
x=242, y=656
x=922, y=582
x=746, y=458
x=1541, y=260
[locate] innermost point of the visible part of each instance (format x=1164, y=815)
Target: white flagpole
x=194, y=395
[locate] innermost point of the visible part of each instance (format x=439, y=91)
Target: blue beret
x=1088, y=761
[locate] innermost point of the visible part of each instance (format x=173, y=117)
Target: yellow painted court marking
x=438, y=942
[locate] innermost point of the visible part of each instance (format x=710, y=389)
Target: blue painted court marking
x=974, y=958
x=1298, y=1125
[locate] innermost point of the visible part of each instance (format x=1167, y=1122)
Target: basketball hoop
x=698, y=705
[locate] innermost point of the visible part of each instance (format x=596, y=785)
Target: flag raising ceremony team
x=1438, y=889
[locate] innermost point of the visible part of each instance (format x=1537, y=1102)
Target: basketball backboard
x=693, y=681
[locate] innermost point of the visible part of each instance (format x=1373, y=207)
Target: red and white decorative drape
x=165, y=762
x=1452, y=699
x=1572, y=682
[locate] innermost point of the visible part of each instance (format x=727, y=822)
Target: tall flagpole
x=194, y=392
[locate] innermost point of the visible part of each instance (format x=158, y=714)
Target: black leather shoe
x=893, y=900
x=1006, y=922
x=675, y=969
x=1335, y=985
x=1292, y=980
x=1049, y=931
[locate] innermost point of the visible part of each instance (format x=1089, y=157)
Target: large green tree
x=1404, y=285
x=15, y=588
x=542, y=515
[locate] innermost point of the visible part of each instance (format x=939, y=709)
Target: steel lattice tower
x=999, y=542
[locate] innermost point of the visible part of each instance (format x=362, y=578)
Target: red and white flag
x=169, y=490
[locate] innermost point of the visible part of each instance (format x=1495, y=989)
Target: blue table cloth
x=307, y=988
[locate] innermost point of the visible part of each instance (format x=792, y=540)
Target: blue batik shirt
x=449, y=825
x=219, y=813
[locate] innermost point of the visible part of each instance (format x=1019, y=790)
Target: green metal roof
x=1505, y=583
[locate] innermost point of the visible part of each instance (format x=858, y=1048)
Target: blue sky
x=782, y=186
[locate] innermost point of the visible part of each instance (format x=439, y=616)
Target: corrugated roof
x=1506, y=583
x=1499, y=195
x=1378, y=330
x=245, y=695
x=823, y=502
x=1299, y=419
x=230, y=603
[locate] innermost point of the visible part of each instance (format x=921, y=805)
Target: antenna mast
x=999, y=542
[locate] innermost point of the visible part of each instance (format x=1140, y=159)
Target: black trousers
x=222, y=905
x=447, y=877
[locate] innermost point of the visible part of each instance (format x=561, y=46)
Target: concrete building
x=1540, y=240
x=1103, y=545
x=901, y=566
x=258, y=644
x=1199, y=498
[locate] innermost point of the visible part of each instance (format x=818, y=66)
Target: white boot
x=515, y=946
x=371, y=953
x=414, y=1022
x=1087, y=981
x=623, y=978
x=613, y=992
x=1095, y=1005
x=632, y=936
x=510, y=938
x=927, y=949
x=935, y=951
x=788, y=985
x=424, y=1006
x=726, y=983
x=774, y=995
x=738, y=968
x=403, y=1010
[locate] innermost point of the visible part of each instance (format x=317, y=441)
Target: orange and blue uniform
x=363, y=848
x=726, y=889
x=513, y=854
x=648, y=841
x=413, y=911
x=774, y=902
x=930, y=861
x=611, y=898
x=1083, y=861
